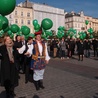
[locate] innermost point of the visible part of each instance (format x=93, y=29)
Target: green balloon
x=14, y=28
x=75, y=31
x=63, y=28
x=46, y=23
x=50, y=33
x=91, y=36
x=60, y=28
x=6, y=29
x=1, y=35
x=2, y=32
x=58, y=33
x=63, y=33
x=67, y=34
x=3, y=22
x=71, y=34
x=22, y=28
x=43, y=36
x=84, y=35
x=37, y=27
x=11, y=36
x=86, y=22
x=47, y=33
x=7, y=6
x=9, y=32
x=25, y=30
x=35, y=22
x=81, y=37
x=59, y=36
x=90, y=31
x=31, y=35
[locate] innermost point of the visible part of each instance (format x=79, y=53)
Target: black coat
x=8, y=70
x=80, y=48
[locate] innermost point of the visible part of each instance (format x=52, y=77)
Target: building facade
x=21, y=16
x=42, y=11
x=74, y=20
x=45, y=11
x=93, y=23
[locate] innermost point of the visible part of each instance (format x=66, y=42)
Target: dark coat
x=80, y=48
x=8, y=71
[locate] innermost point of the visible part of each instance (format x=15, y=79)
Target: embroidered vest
x=36, y=50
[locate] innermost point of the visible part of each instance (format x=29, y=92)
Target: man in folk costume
x=39, y=60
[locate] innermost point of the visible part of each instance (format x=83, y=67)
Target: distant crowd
x=66, y=48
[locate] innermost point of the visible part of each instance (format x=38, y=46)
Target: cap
x=38, y=33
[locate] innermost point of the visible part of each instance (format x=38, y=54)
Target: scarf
x=10, y=51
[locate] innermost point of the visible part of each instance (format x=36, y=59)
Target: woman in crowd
x=62, y=48
x=8, y=71
x=81, y=50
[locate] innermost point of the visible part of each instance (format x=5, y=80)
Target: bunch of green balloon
x=25, y=30
x=7, y=6
x=9, y=32
x=46, y=24
x=71, y=32
x=91, y=31
x=48, y=33
x=61, y=31
x=37, y=27
x=82, y=35
x=86, y=22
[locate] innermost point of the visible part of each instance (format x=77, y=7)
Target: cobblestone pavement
x=63, y=79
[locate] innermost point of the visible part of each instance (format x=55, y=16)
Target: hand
x=47, y=62
x=17, y=48
x=27, y=53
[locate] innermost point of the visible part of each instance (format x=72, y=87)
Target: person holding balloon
x=39, y=60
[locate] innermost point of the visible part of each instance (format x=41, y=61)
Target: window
x=76, y=25
x=28, y=14
x=21, y=13
x=15, y=12
x=67, y=25
x=28, y=22
x=16, y=21
x=22, y=22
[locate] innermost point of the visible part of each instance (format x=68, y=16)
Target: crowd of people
x=29, y=57
x=66, y=48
